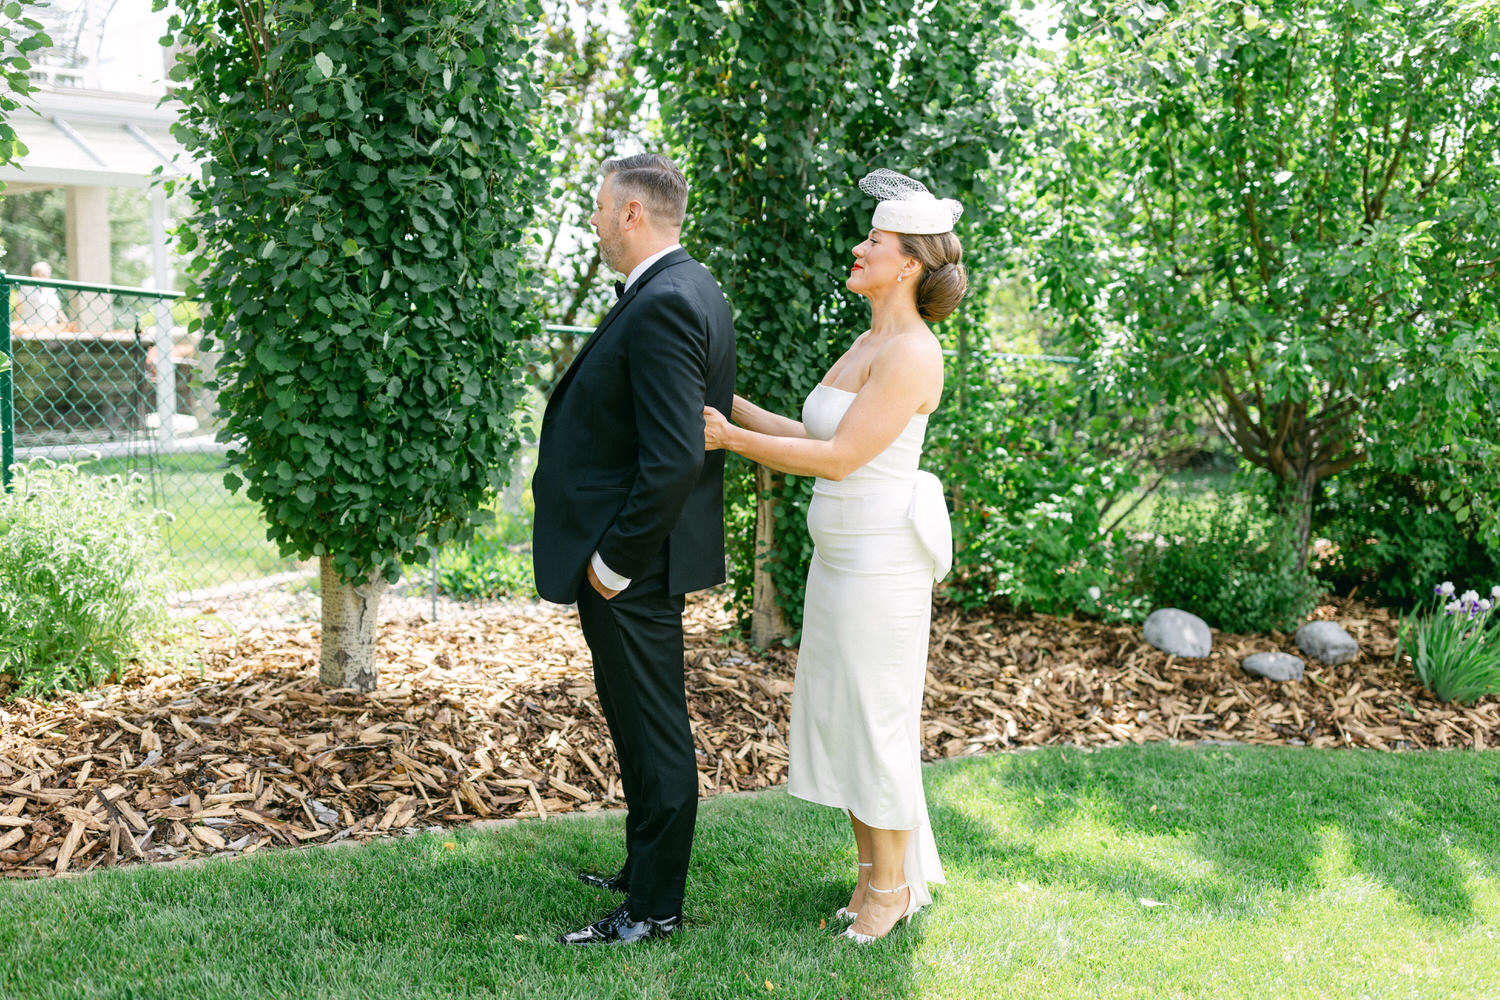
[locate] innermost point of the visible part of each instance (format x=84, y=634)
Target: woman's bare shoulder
x=917, y=347
x=914, y=360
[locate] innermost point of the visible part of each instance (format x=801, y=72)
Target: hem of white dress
x=847, y=811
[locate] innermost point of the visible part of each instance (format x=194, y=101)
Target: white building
x=102, y=123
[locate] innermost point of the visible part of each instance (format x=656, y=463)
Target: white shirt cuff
x=607, y=576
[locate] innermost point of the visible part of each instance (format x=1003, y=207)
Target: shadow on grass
x=1263, y=819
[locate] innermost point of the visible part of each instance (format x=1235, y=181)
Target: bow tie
x=619, y=289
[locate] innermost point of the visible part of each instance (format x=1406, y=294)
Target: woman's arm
x=902, y=378
x=752, y=417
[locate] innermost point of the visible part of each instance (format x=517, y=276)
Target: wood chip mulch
x=495, y=716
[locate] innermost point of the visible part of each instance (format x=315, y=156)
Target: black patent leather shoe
x=619, y=927
x=610, y=883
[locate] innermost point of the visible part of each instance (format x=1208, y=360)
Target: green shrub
x=1454, y=644
x=1228, y=561
x=495, y=563
x=1031, y=459
x=1393, y=539
x=82, y=582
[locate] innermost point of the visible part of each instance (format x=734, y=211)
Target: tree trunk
x=350, y=613
x=767, y=622
x=1298, y=508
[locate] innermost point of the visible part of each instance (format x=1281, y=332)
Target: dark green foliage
x=776, y=109
x=494, y=563
x=1033, y=459
x=1281, y=214
x=787, y=561
x=81, y=578
x=359, y=219
x=1231, y=563
x=1394, y=539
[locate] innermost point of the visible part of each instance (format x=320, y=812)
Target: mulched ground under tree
x=495, y=716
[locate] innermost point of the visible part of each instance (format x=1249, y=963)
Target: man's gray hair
x=655, y=182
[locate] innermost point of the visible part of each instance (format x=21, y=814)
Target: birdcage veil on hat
x=906, y=206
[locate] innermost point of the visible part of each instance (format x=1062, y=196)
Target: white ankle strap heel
x=859, y=938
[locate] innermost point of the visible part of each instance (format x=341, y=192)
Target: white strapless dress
x=880, y=538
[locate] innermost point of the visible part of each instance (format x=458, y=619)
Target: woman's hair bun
x=943, y=281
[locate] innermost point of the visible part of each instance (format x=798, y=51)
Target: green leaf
x=324, y=64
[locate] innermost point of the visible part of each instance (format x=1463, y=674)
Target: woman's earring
x=899, y=277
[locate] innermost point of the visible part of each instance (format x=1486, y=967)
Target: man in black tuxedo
x=630, y=517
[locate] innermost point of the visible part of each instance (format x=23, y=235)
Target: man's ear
x=635, y=212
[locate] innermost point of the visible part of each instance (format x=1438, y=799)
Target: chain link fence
x=109, y=379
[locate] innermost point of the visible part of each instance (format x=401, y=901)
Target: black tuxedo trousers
x=636, y=641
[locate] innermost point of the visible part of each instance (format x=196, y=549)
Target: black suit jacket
x=621, y=467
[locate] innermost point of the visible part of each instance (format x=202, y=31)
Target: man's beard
x=610, y=251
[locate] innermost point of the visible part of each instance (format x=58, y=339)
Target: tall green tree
x=367, y=180
x=36, y=228
x=1283, y=215
x=777, y=108
x=592, y=110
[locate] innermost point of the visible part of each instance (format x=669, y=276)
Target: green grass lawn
x=1279, y=873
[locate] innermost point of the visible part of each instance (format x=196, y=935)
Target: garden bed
x=494, y=715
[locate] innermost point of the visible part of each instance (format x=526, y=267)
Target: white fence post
x=166, y=363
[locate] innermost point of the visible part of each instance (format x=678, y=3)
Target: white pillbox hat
x=906, y=206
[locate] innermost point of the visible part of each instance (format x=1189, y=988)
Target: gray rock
x=1275, y=666
x=1327, y=642
x=1178, y=633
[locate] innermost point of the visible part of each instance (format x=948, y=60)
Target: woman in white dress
x=881, y=537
